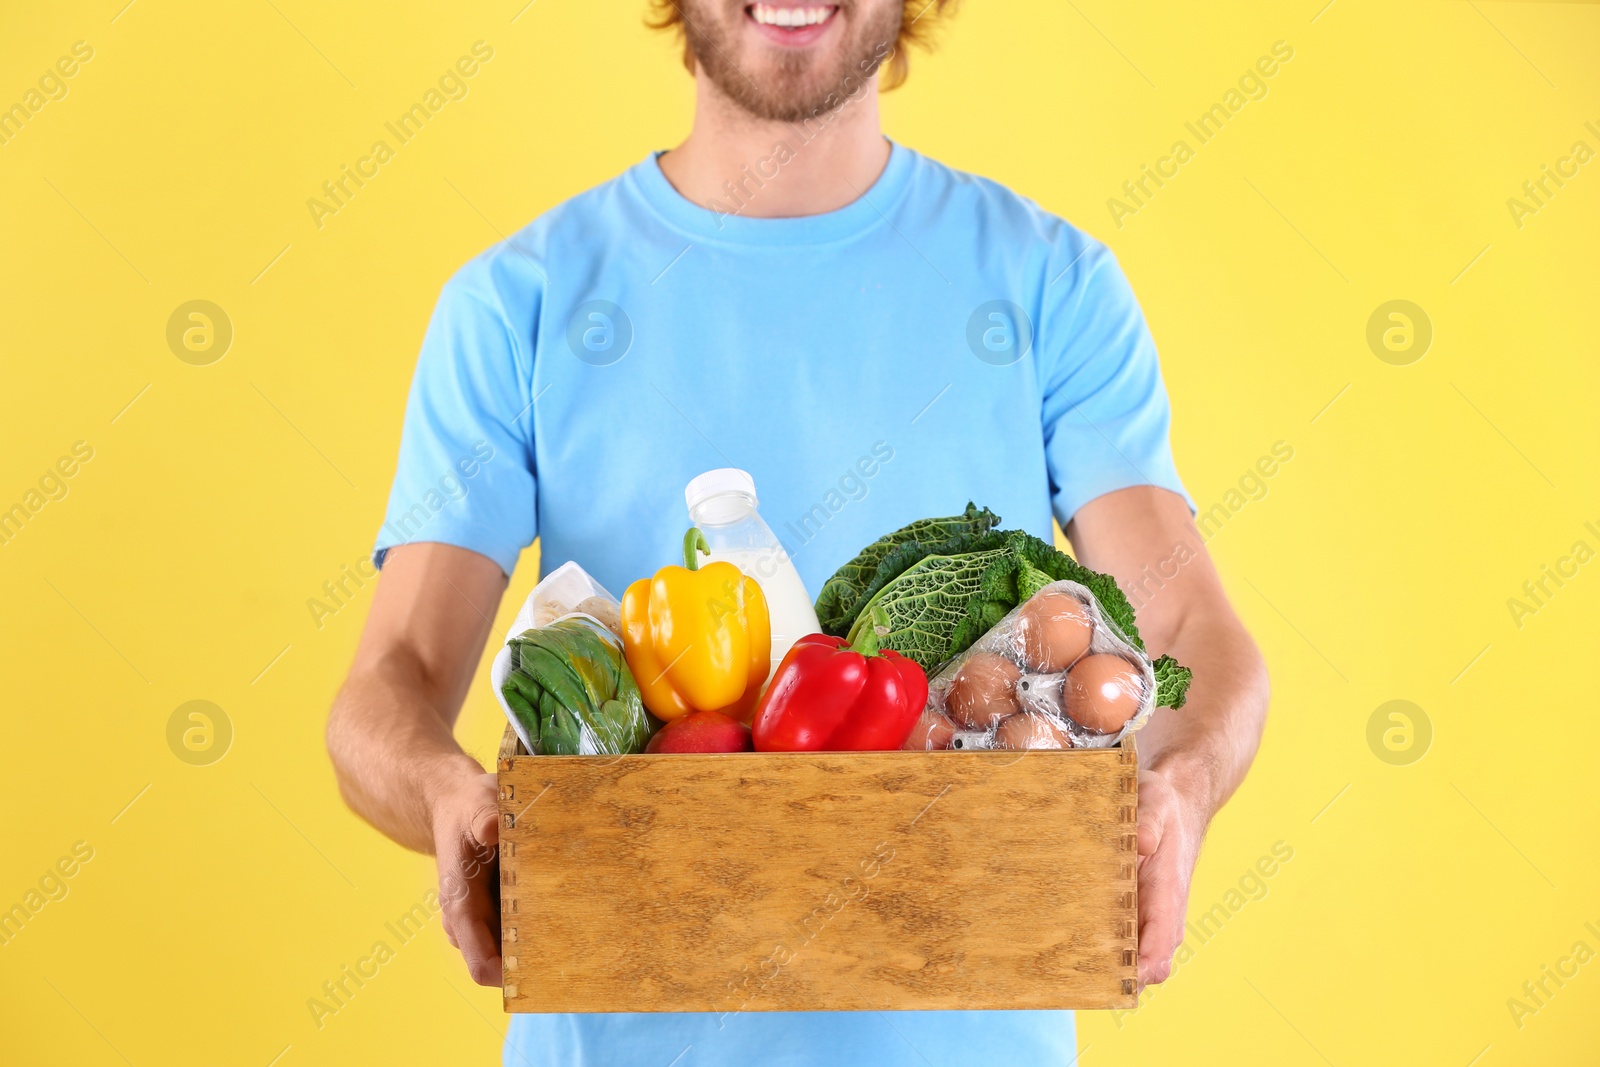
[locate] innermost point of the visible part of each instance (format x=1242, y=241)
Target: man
x=786, y=292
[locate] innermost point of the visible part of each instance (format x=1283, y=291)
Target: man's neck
x=737, y=164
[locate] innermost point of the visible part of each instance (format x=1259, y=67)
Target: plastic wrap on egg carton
x=1038, y=688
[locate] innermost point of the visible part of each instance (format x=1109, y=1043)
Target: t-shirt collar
x=725, y=224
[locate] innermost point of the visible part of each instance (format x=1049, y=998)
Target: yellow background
x=1376, y=567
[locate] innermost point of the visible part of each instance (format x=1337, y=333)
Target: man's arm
x=389, y=732
x=1194, y=758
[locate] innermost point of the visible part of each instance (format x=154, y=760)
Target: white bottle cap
x=703, y=487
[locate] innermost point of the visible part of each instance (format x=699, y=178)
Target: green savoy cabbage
x=943, y=583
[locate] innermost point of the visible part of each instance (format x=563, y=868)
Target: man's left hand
x=1171, y=826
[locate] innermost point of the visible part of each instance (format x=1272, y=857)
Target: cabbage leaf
x=842, y=594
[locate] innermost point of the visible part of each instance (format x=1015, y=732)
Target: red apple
x=702, y=731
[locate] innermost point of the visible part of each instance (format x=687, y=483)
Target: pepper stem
x=872, y=634
x=694, y=542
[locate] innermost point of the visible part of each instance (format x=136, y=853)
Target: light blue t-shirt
x=938, y=340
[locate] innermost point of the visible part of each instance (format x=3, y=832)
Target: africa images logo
x=999, y=332
x=599, y=332
x=452, y=85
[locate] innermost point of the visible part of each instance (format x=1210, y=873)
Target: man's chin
x=790, y=73
x=776, y=98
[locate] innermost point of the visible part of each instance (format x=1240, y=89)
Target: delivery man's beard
x=793, y=86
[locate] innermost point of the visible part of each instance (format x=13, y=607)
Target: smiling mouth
x=792, y=21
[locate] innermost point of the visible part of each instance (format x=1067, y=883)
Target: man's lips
x=792, y=24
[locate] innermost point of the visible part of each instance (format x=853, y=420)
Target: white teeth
x=789, y=16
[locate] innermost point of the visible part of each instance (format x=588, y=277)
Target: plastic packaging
x=603, y=711
x=722, y=503
x=565, y=590
x=1055, y=672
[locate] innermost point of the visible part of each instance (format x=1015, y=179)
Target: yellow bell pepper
x=697, y=638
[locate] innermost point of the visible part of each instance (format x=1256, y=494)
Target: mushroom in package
x=1055, y=672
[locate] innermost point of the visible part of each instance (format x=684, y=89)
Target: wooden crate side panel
x=818, y=881
x=510, y=744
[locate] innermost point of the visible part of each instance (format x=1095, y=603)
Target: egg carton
x=1055, y=672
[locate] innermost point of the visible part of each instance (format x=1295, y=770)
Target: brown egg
x=604, y=609
x=984, y=690
x=1054, y=630
x=1103, y=692
x=1031, y=730
x=932, y=733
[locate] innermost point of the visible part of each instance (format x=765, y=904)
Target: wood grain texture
x=818, y=881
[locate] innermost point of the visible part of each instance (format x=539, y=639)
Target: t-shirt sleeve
x=1106, y=416
x=466, y=472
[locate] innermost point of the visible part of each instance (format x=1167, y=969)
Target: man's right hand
x=390, y=733
x=466, y=831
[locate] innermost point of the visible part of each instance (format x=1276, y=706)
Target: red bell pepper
x=829, y=695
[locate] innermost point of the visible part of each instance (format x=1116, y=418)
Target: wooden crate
x=831, y=881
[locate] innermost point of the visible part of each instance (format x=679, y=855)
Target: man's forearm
x=1206, y=747
x=394, y=754
x=389, y=732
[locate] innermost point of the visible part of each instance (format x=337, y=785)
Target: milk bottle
x=722, y=503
